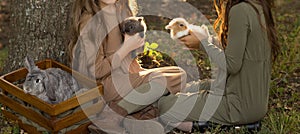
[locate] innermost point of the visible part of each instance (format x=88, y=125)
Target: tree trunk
x=38, y=28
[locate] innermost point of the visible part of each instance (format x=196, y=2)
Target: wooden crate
x=53, y=123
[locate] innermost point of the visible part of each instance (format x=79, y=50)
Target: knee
x=165, y=115
x=163, y=108
x=161, y=104
x=165, y=103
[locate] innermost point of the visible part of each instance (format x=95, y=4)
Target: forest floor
x=284, y=103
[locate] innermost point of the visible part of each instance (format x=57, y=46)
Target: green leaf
x=153, y=46
x=150, y=53
x=147, y=44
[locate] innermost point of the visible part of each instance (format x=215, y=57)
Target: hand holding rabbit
x=130, y=43
x=198, y=34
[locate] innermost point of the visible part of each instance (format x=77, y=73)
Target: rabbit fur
x=52, y=85
x=133, y=25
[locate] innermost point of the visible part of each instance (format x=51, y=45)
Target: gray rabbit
x=52, y=85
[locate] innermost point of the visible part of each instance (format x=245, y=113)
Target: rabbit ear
x=168, y=27
x=29, y=64
x=140, y=19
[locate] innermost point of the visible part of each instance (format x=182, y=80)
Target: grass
x=284, y=104
x=284, y=122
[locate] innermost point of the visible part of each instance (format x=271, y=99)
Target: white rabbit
x=52, y=85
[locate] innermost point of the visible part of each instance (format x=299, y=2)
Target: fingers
x=138, y=35
x=138, y=40
x=135, y=36
x=185, y=38
x=187, y=44
x=190, y=41
x=188, y=38
x=141, y=42
x=204, y=26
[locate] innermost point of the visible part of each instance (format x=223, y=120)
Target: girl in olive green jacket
x=239, y=95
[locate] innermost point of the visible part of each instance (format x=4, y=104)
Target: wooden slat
x=83, y=129
x=78, y=116
x=26, y=112
x=44, y=64
x=49, y=63
x=34, y=101
x=73, y=102
x=15, y=75
x=28, y=128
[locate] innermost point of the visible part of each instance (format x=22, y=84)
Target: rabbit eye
x=130, y=27
x=181, y=25
x=37, y=81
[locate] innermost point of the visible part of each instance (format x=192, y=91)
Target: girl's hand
x=192, y=41
x=131, y=43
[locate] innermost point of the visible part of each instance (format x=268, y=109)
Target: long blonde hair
x=221, y=24
x=91, y=7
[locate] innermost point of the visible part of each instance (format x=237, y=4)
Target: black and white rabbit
x=131, y=26
x=52, y=85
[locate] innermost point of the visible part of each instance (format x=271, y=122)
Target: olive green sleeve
x=237, y=38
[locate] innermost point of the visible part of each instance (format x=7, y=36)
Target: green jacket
x=248, y=63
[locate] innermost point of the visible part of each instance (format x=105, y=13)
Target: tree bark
x=38, y=28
